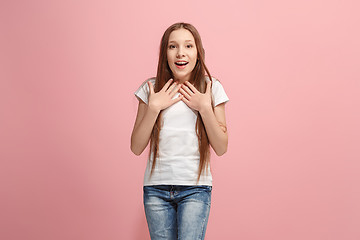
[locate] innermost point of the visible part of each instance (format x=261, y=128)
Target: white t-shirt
x=178, y=159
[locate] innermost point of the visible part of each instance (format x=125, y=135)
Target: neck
x=182, y=80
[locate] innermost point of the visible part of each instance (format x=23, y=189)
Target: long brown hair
x=197, y=79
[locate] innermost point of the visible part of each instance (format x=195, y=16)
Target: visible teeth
x=181, y=63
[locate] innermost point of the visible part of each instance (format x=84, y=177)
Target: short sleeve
x=142, y=92
x=218, y=93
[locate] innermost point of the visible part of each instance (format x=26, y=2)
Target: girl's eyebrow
x=173, y=41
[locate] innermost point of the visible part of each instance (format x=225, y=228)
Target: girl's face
x=181, y=54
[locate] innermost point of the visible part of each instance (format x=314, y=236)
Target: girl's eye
x=189, y=46
x=171, y=46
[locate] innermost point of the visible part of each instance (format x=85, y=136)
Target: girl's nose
x=180, y=53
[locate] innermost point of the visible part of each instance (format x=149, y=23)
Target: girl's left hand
x=195, y=99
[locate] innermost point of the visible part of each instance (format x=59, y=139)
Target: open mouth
x=182, y=63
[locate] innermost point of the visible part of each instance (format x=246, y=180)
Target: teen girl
x=181, y=112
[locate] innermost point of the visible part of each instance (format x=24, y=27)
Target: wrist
x=153, y=110
x=205, y=109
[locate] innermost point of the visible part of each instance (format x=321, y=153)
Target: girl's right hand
x=164, y=98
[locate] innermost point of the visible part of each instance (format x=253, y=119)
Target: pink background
x=68, y=71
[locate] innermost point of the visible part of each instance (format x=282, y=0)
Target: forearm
x=217, y=135
x=141, y=134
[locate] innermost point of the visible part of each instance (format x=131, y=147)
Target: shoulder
x=218, y=93
x=153, y=80
x=143, y=91
x=215, y=82
x=144, y=86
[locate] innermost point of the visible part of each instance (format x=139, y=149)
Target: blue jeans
x=177, y=212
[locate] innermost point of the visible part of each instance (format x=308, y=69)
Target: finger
x=175, y=100
x=167, y=84
x=172, y=86
x=208, y=86
x=176, y=89
x=187, y=102
x=192, y=88
x=186, y=95
x=151, y=87
x=187, y=90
